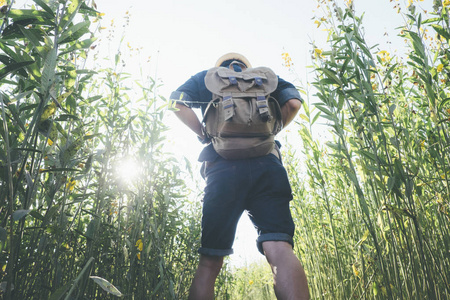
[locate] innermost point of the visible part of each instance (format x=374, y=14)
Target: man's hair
x=228, y=62
x=226, y=59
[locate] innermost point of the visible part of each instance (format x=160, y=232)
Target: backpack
x=242, y=119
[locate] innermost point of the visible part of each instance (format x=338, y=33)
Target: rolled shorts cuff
x=215, y=252
x=273, y=237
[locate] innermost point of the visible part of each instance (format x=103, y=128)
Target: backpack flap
x=256, y=80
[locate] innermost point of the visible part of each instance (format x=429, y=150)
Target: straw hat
x=233, y=56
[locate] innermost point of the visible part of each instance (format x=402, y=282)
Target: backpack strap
x=228, y=105
x=263, y=106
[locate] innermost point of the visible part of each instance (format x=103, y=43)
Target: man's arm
x=289, y=110
x=189, y=118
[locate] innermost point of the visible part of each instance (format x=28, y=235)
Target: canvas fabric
x=242, y=119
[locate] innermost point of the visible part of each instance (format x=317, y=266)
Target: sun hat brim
x=233, y=56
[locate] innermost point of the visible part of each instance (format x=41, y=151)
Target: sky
x=177, y=39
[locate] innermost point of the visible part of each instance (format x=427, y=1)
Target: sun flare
x=127, y=170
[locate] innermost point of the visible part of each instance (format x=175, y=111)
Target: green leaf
x=80, y=45
x=304, y=117
x=91, y=228
x=398, y=167
x=324, y=110
x=352, y=176
x=31, y=35
x=367, y=154
x=74, y=32
x=391, y=183
x=332, y=75
x=50, y=213
x=21, y=14
x=334, y=146
x=3, y=234
x=392, y=108
x=107, y=286
x=364, y=238
x=441, y=31
x=70, y=13
x=35, y=214
x=315, y=118
x=388, y=73
x=375, y=288
x=44, y=7
x=58, y=170
x=417, y=43
x=445, y=101
x=20, y=213
x=65, y=117
x=48, y=73
x=59, y=293
x=13, y=67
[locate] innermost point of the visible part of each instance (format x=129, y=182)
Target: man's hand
x=289, y=110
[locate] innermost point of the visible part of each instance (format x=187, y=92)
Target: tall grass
x=371, y=205
x=376, y=225
x=65, y=213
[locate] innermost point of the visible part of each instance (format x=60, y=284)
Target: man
x=257, y=185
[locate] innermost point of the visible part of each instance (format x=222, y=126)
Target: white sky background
x=185, y=37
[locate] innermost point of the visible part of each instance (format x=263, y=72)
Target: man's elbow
x=289, y=110
x=294, y=105
x=180, y=108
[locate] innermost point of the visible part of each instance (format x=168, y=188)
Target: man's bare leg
x=202, y=287
x=289, y=277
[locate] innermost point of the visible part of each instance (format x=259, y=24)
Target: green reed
x=376, y=225
x=70, y=227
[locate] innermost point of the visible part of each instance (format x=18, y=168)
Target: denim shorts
x=259, y=186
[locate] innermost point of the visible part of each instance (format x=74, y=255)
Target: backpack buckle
x=228, y=106
x=263, y=107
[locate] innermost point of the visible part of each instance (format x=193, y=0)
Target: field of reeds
x=371, y=204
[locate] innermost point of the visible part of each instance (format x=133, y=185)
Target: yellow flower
x=440, y=66
x=138, y=255
x=318, y=53
x=71, y=184
x=446, y=3
x=50, y=142
x=287, y=59
x=2, y=3
x=318, y=23
x=139, y=244
x=384, y=55
x=355, y=270
x=250, y=282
